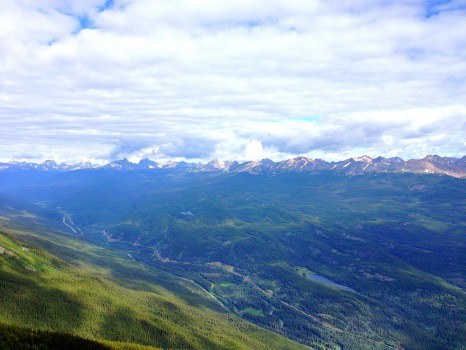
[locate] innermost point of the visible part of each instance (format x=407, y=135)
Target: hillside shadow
x=168, y=329
x=27, y=303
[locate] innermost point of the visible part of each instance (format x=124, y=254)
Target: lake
x=324, y=280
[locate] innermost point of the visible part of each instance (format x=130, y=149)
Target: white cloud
x=254, y=150
x=201, y=79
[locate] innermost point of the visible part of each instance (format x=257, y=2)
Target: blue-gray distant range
x=431, y=164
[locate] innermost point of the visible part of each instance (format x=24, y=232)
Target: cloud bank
x=200, y=79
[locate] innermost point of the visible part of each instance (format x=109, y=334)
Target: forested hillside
x=330, y=261
x=51, y=282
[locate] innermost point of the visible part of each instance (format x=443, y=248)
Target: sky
x=100, y=80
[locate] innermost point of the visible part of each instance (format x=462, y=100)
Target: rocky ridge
x=431, y=164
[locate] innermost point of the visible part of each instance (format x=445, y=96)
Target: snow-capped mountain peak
x=354, y=166
x=365, y=159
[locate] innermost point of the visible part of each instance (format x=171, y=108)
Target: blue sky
x=97, y=80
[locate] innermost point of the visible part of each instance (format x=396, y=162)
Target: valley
x=60, y=285
x=329, y=261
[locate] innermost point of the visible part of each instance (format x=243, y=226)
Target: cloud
x=190, y=79
x=254, y=150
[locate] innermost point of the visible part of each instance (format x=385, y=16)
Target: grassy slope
x=100, y=294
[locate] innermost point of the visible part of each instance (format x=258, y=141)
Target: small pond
x=324, y=280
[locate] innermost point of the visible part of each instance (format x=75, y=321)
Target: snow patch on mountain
x=431, y=164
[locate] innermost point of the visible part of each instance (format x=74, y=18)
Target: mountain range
x=431, y=164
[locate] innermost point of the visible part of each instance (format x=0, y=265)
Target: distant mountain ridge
x=431, y=164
